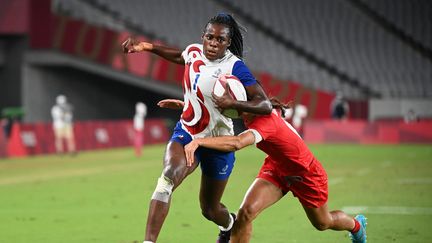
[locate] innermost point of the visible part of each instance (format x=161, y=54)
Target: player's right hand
x=190, y=149
x=225, y=101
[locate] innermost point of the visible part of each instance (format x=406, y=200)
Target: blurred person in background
x=289, y=166
x=296, y=117
x=339, y=107
x=138, y=124
x=62, y=117
x=221, y=52
x=411, y=116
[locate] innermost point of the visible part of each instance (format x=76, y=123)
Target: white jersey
x=138, y=122
x=62, y=115
x=140, y=114
x=200, y=117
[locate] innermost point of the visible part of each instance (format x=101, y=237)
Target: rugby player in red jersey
x=289, y=166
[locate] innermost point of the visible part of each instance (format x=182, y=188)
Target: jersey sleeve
x=188, y=49
x=257, y=135
x=185, y=54
x=264, y=125
x=242, y=72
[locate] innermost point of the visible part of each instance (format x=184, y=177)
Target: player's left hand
x=225, y=101
x=190, y=149
x=132, y=45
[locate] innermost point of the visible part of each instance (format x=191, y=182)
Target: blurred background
x=366, y=63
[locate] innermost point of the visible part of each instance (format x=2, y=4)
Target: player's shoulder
x=194, y=47
x=277, y=116
x=239, y=66
x=267, y=121
x=232, y=59
x=273, y=119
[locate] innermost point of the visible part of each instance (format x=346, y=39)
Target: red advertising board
x=38, y=138
x=363, y=132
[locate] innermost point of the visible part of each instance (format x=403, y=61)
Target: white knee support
x=163, y=189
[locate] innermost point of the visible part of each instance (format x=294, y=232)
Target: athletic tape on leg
x=163, y=189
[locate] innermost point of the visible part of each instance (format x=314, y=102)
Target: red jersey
x=289, y=164
x=282, y=144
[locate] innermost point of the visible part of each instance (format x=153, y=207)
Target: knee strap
x=163, y=189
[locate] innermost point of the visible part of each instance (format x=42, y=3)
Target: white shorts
x=64, y=132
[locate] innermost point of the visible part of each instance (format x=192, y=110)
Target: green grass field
x=103, y=196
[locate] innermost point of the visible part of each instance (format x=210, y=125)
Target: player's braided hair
x=277, y=104
x=236, y=36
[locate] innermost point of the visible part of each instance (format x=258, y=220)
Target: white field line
x=386, y=164
x=68, y=173
x=335, y=180
x=363, y=172
x=387, y=210
x=405, y=181
x=338, y=180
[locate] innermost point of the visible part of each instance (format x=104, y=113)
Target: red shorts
x=311, y=187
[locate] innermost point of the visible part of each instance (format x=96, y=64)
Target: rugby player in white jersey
x=220, y=53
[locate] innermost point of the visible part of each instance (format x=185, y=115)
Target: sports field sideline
x=103, y=196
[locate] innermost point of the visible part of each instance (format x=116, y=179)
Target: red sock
x=356, y=226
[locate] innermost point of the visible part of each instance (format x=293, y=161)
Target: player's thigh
x=175, y=163
x=260, y=195
x=59, y=133
x=216, y=167
x=211, y=191
x=68, y=134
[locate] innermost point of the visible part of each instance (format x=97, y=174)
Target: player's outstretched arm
x=171, y=104
x=131, y=45
x=223, y=143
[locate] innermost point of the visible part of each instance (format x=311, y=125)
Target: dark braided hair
x=236, y=46
x=277, y=104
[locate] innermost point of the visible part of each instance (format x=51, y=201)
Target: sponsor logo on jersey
x=217, y=73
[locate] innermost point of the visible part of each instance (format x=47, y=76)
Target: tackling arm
x=223, y=143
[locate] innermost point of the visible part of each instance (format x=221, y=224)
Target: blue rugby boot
x=359, y=236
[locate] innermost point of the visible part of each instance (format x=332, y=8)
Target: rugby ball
x=238, y=92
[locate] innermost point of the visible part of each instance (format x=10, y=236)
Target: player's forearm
x=257, y=106
x=224, y=143
x=258, y=102
x=170, y=54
